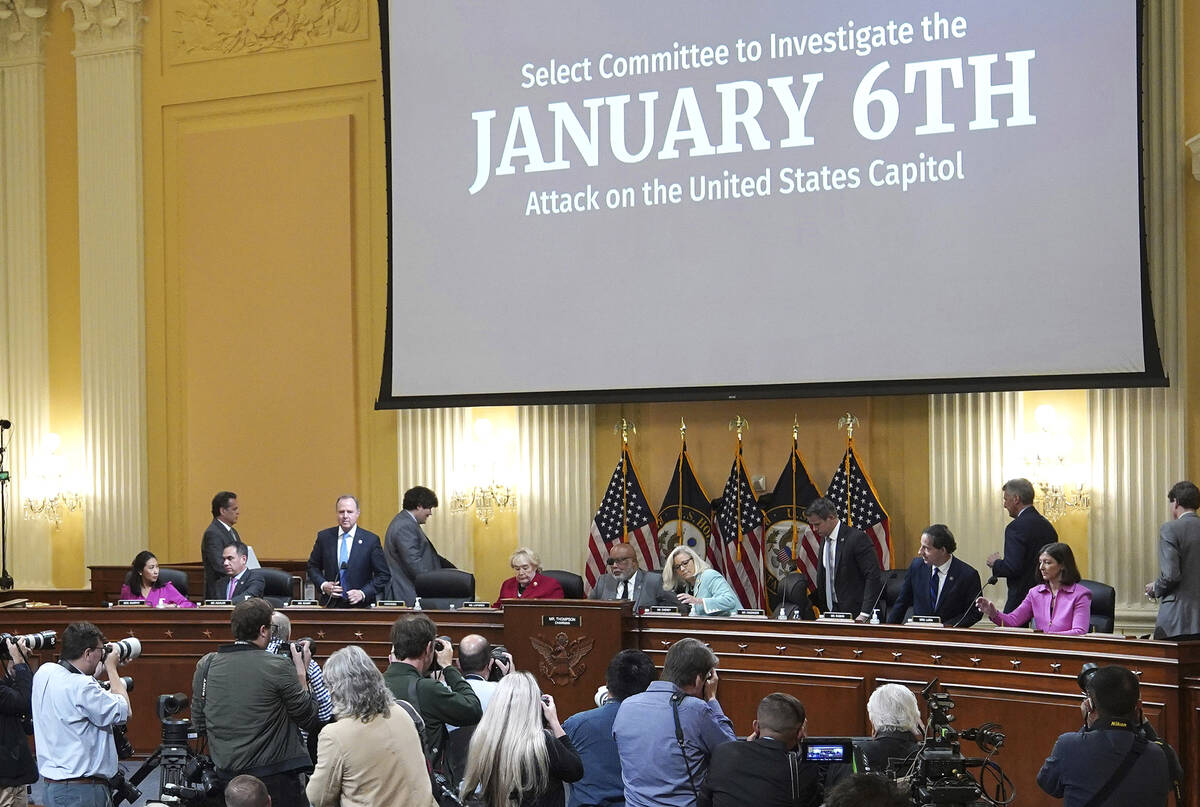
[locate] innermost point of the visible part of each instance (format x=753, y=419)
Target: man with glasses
x=626, y=581
x=73, y=719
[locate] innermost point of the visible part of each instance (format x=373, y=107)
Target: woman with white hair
x=698, y=584
x=896, y=720
x=372, y=755
x=514, y=761
x=528, y=582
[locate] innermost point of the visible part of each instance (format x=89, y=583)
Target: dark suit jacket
x=366, y=569
x=1023, y=537
x=856, y=579
x=409, y=553
x=216, y=538
x=251, y=584
x=649, y=590
x=1178, y=583
x=958, y=595
x=757, y=772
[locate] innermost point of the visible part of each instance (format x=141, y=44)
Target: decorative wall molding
x=103, y=26
x=24, y=325
x=22, y=34
x=213, y=29
x=556, y=509
x=108, y=73
x=429, y=442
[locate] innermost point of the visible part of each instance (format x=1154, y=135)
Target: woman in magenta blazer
x=142, y=583
x=1059, y=605
x=527, y=581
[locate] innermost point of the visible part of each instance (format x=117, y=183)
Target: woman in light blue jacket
x=704, y=588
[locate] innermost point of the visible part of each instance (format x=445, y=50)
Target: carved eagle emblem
x=562, y=659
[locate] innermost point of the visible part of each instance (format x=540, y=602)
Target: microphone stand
x=991, y=581
x=6, y=581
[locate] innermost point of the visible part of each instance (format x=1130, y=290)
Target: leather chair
x=572, y=584
x=793, y=595
x=175, y=577
x=279, y=587
x=893, y=584
x=442, y=589
x=1104, y=606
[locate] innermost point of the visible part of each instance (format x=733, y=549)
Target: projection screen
x=646, y=201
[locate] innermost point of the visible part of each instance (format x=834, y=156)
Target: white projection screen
x=636, y=200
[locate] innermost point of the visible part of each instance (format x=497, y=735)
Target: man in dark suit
x=760, y=764
x=240, y=583
x=1178, y=585
x=219, y=534
x=347, y=564
x=939, y=584
x=409, y=551
x=1028, y=532
x=625, y=581
x=856, y=581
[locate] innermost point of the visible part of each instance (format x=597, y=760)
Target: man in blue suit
x=347, y=564
x=939, y=584
x=1024, y=537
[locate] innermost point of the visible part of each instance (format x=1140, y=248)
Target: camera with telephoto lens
x=500, y=656
x=121, y=730
x=939, y=773
x=439, y=644
x=126, y=649
x=35, y=641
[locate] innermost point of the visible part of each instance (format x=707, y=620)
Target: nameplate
x=836, y=616
x=132, y=602
x=218, y=602
x=393, y=604
x=302, y=603
x=560, y=621
x=924, y=620
x=476, y=604
x=749, y=612
x=661, y=609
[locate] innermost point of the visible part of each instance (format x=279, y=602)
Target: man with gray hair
x=347, y=565
x=1025, y=535
x=848, y=576
x=246, y=791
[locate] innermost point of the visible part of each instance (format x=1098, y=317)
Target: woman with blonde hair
x=703, y=588
x=514, y=761
x=528, y=582
x=372, y=755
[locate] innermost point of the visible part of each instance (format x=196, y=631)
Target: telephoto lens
x=127, y=649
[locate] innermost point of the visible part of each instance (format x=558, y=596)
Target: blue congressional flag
x=685, y=516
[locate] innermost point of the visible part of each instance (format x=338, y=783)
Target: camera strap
x=794, y=769
x=676, y=699
x=1118, y=776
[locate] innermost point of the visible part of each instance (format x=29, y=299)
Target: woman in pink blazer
x=142, y=583
x=1059, y=605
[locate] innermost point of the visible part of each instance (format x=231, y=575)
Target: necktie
x=829, y=598
x=232, y=586
x=344, y=548
x=933, y=588
x=624, y=595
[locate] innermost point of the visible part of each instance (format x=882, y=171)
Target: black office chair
x=893, y=584
x=279, y=587
x=793, y=595
x=442, y=589
x=175, y=577
x=1104, y=606
x=572, y=584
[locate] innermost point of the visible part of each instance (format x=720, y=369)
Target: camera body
x=439, y=644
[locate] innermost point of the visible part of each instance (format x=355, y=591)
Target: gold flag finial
x=795, y=428
x=682, y=431
x=739, y=424
x=625, y=427
x=848, y=422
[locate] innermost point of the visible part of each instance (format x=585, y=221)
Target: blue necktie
x=343, y=548
x=933, y=588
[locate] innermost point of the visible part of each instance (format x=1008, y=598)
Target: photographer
x=17, y=766
x=247, y=701
x=418, y=659
x=73, y=718
x=481, y=667
x=1114, y=759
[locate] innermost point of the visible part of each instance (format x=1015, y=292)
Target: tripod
x=187, y=777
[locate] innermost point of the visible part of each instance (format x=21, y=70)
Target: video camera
x=187, y=777
x=35, y=641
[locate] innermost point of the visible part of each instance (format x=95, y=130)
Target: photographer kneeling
x=73, y=718
x=1114, y=759
x=247, y=701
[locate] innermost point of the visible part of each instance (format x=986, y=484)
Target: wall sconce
x=1060, y=487
x=479, y=489
x=49, y=493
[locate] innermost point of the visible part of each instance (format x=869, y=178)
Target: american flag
x=739, y=509
x=625, y=515
x=852, y=493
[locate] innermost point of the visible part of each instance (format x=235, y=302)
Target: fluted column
x=1139, y=437
x=430, y=442
x=108, y=71
x=556, y=507
x=24, y=346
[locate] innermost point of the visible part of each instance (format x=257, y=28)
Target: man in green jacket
x=416, y=653
x=251, y=703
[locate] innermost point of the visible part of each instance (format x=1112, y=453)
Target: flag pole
x=795, y=509
x=848, y=422
x=626, y=427
x=739, y=423
x=679, y=494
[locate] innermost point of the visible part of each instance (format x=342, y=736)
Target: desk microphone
x=991, y=581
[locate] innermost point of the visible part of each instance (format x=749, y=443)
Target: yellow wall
x=1190, y=35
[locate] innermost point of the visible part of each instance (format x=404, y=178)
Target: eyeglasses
x=681, y=565
x=615, y=561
